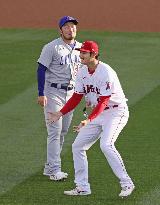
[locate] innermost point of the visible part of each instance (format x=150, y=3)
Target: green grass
x=135, y=57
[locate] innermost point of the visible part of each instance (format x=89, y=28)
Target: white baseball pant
x=107, y=127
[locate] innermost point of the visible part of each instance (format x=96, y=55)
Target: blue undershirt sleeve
x=41, y=78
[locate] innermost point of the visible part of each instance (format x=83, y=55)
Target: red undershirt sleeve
x=71, y=103
x=103, y=101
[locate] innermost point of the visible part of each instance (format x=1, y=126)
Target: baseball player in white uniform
x=57, y=68
x=99, y=83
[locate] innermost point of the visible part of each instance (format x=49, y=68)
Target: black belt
x=62, y=86
x=113, y=106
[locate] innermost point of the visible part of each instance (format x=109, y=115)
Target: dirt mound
x=114, y=15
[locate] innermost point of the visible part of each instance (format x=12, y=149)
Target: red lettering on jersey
x=97, y=91
x=90, y=88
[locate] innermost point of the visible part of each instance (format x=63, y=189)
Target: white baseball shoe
x=126, y=191
x=77, y=191
x=59, y=176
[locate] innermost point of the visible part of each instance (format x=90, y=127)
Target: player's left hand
x=53, y=117
x=83, y=123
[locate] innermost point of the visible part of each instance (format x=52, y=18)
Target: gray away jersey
x=61, y=60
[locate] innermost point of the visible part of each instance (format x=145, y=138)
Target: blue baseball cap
x=66, y=19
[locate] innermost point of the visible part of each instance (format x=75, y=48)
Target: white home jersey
x=61, y=60
x=103, y=82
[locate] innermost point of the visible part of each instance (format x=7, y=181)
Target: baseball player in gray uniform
x=57, y=67
x=99, y=83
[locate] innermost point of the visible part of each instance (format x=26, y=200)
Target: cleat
x=126, y=191
x=77, y=192
x=59, y=176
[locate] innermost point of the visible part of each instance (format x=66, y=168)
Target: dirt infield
x=113, y=15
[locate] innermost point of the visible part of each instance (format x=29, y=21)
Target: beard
x=68, y=37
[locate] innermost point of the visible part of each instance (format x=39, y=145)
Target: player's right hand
x=42, y=100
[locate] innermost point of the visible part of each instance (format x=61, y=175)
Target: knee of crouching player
x=107, y=148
